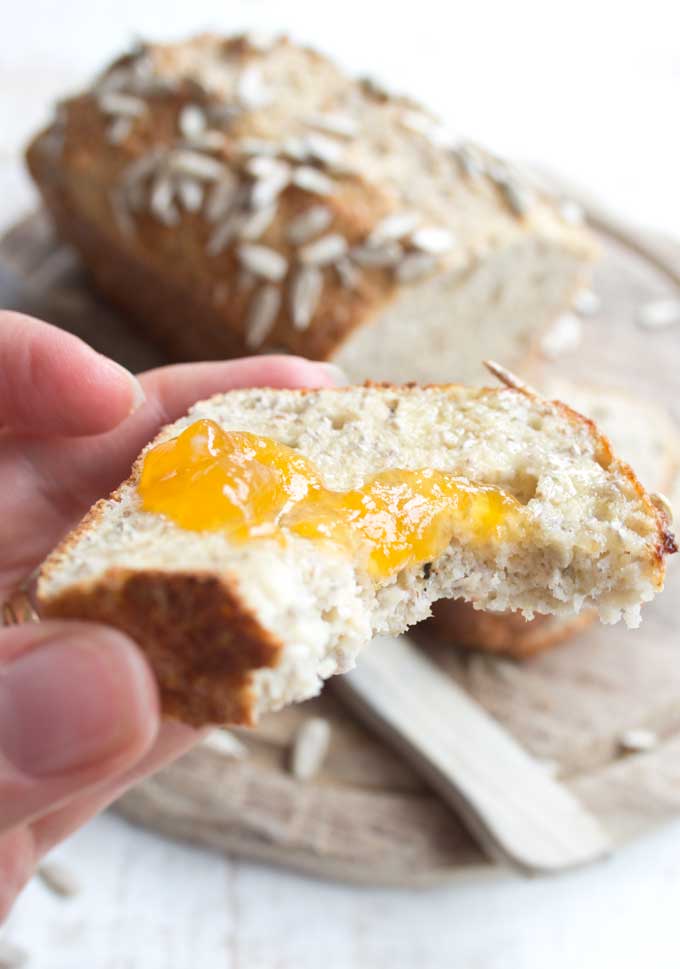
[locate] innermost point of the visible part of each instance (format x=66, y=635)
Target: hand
x=79, y=709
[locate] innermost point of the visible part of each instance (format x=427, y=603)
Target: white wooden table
x=593, y=91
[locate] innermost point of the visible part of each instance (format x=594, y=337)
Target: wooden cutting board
x=367, y=816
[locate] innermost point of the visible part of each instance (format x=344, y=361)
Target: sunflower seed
x=663, y=504
x=256, y=223
x=586, y=303
x=572, y=212
x=12, y=956
x=206, y=141
x=309, y=224
x=348, y=274
x=122, y=104
x=658, y=314
x=305, y=292
x=637, y=740
x=115, y=80
x=224, y=233
x=193, y=163
x=257, y=146
x=121, y=212
x=263, y=166
x=418, y=122
x=335, y=124
x=262, y=313
x=263, y=261
x=470, y=159
x=268, y=188
x=373, y=88
x=378, y=257
x=323, y=149
x=192, y=121
x=223, y=742
x=312, y=180
x=58, y=879
x=294, y=148
x=433, y=239
x=251, y=91
x=142, y=167
x=414, y=266
x=310, y=747
x=119, y=129
x=190, y=194
x=393, y=227
x=323, y=251
x=519, y=198
x=564, y=336
x=222, y=197
x=260, y=40
x=161, y=201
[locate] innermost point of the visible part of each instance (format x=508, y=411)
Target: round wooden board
x=367, y=817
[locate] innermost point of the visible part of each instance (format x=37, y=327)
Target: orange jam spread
x=252, y=487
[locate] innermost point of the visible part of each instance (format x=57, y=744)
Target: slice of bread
x=233, y=630
x=645, y=435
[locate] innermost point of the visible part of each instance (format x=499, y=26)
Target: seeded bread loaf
x=233, y=629
x=645, y=436
x=236, y=196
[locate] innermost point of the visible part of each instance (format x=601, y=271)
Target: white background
x=593, y=91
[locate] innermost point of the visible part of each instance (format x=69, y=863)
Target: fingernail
x=336, y=374
x=69, y=703
x=138, y=395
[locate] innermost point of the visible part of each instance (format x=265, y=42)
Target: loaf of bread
x=234, y=628
x=645, y=436
x=239, y=197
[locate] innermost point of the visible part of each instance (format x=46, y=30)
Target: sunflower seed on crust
x=266, y=190
x=418, y=122
x=414, y=266
x=193, y=163
x=657, y=314
x=119, y=130
x=222, y=197
x=251, y=91
x=263, y=261
x=260, y=40
x=125, y=105
x=206, y=141
x=257, y=146
x=638, y=740
x=253, y=225
x=663, y=504
x=192, y=121
x=294, y=148
x=310, y=747
x=161, y=201
x=572, y=212
x=305, y=292
x=393, y=227
x=190, y=194
x=323, y=149
x=348, y=274
x=262, y=313
x=335, y=123
x=433, y=239
x=378, y=257
x=519, y=198
x=323, y=251
x=263, y=166
x=58, y=879
x=309, y=223
x=312, y=180
x=142, y=167
x=223, y=235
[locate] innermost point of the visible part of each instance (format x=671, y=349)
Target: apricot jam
x=253, y=487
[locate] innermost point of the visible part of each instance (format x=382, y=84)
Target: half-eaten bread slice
x=234, y=628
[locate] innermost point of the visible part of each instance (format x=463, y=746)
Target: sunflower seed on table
x=312, y=180
x=638, y=739
x=323, y=251
x=12, y=956
x=310, y=747
x=586, y=303
x=222, y=197
x=263, y=261
x=223, y=742
x=192, y=121
x=323, y=149
x=572, y=212
x=58, y=879
x=224, y=234
x=305, y=292
x=190, y=194
x=309, y=223
x=433, y=239
x=414, y=266
x=126, y=105
x=378, y=257
x=262, y=314
x=119, y=130
x=335, y=123
x=161, y=201
x=251, y=90
x=393, y=227
x=183, y=161
x=564, y=336
x=657, y=314
x=253, y=225
x=348, y=274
